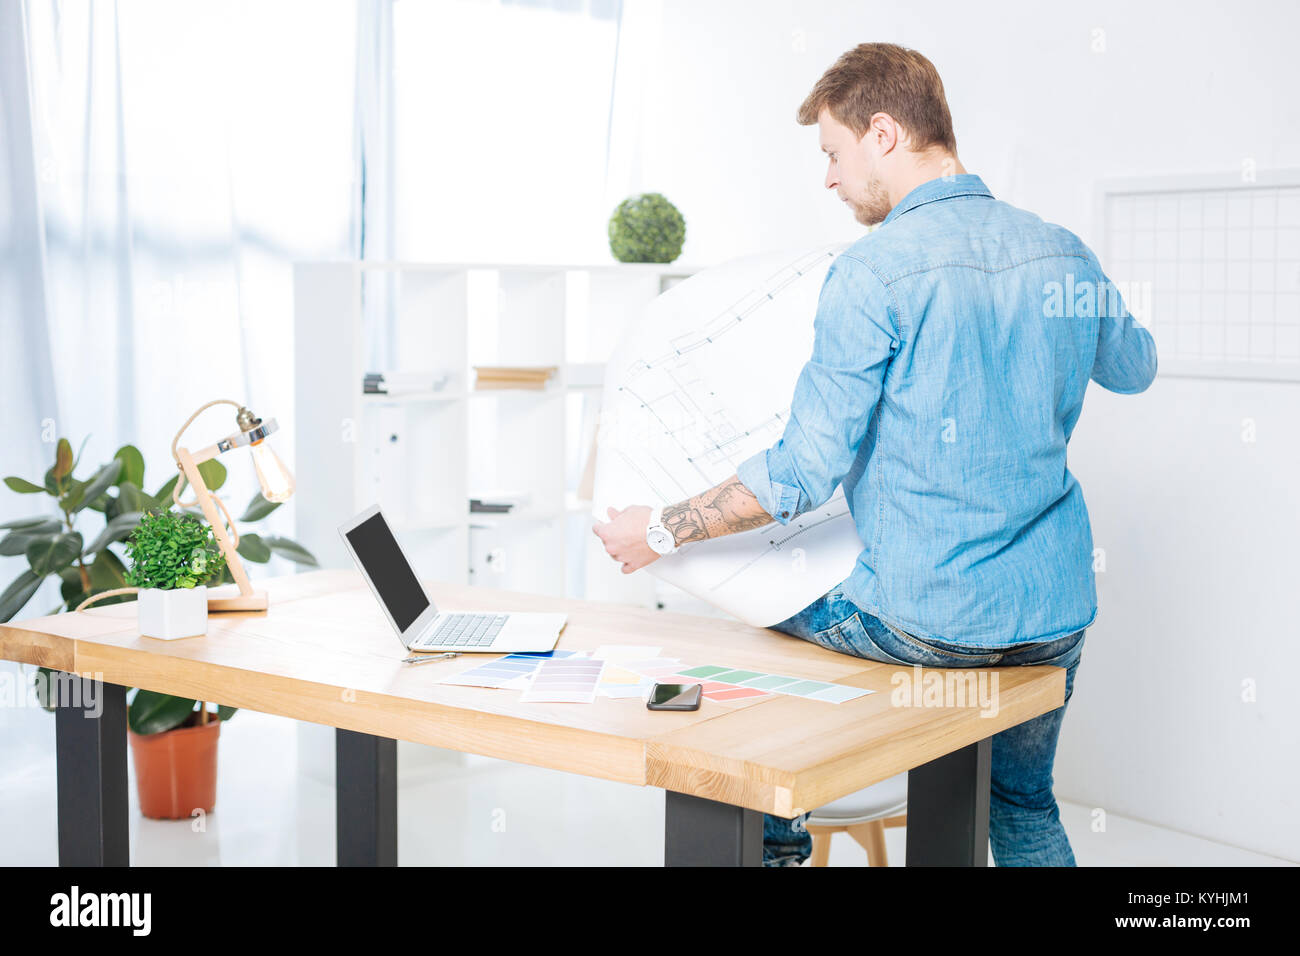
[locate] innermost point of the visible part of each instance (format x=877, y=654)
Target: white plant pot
x=167, y=615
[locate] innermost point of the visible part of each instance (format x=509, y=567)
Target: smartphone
x=675, y=697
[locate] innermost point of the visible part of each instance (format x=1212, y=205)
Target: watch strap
x=656, y=519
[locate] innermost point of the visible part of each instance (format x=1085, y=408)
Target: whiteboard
x=1211, y=266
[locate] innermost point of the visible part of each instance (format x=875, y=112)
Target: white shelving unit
x=423, y=455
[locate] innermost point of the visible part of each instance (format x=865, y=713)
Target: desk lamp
x=276, y=482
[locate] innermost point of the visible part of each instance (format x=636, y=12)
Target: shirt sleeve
x=1126, y=352
x=855, y=337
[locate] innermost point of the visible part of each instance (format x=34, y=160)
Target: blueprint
x=702, y=382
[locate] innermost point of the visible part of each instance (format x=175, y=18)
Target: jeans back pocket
x=854, y=636
x=833, y=638
x=913, y=650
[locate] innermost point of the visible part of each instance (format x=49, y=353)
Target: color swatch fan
x=701, y=383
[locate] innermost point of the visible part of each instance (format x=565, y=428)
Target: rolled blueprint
x=700, y=383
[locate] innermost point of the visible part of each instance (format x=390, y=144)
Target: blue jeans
x=1024, y=822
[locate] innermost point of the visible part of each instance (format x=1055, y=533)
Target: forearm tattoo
x=725, y=509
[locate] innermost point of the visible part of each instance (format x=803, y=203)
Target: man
x=947, y=374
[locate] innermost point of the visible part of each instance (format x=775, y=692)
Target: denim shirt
x=952, y=349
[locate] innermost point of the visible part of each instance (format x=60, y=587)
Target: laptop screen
x=384, y=563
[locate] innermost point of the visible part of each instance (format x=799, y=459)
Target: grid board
x=1212, y=271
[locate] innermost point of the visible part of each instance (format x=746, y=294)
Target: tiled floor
x=453, y=809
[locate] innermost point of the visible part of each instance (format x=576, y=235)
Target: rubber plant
x=55, y=543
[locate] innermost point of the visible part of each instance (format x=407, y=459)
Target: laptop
x=417, y=620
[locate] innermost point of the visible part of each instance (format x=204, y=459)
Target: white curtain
x=27, y=392
x=164, y=164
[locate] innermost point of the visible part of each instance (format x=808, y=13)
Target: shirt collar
x=966, y=184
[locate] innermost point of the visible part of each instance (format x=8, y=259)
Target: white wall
x=1198, y=526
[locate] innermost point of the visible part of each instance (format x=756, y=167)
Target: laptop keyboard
x=465, y=630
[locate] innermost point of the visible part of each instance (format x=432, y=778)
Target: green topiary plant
x=172, y=549
x=646, y=228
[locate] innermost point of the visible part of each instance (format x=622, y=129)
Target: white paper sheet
x=701, y=383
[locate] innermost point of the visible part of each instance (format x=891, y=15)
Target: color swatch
x=569, y=681
x=512, y=671
x=617, y=681
x=714, y=690
x=663, y=670
x=572, y=677
x=759, y=682
x=658, y=668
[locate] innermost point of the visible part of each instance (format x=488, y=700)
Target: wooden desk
x=324, y=653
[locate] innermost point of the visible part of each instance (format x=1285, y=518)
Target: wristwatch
x=657, y=536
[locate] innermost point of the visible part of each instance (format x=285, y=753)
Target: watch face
x=660, y=541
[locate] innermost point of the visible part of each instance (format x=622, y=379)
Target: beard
x=874, y=205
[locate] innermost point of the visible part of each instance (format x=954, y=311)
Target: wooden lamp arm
x=182, y=481
x=227, y=540
x=204, y=455
x=189, y=421
x=208, y=503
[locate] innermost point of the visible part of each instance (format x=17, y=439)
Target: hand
x=624, y=537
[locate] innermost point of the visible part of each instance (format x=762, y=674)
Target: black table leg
x=948, y=808
x=90, y=749
x=365, y=788
x=700, y=832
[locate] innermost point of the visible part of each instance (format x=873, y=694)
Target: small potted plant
x=170, y=553
x=646, y=228
x=173, y=744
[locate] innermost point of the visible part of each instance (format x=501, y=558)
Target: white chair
x=864, y=815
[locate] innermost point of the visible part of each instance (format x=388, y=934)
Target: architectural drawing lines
x=730, y=317
x=654, y=488
x=703, y=384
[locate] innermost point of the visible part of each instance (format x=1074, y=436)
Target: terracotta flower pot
x=176, y=771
